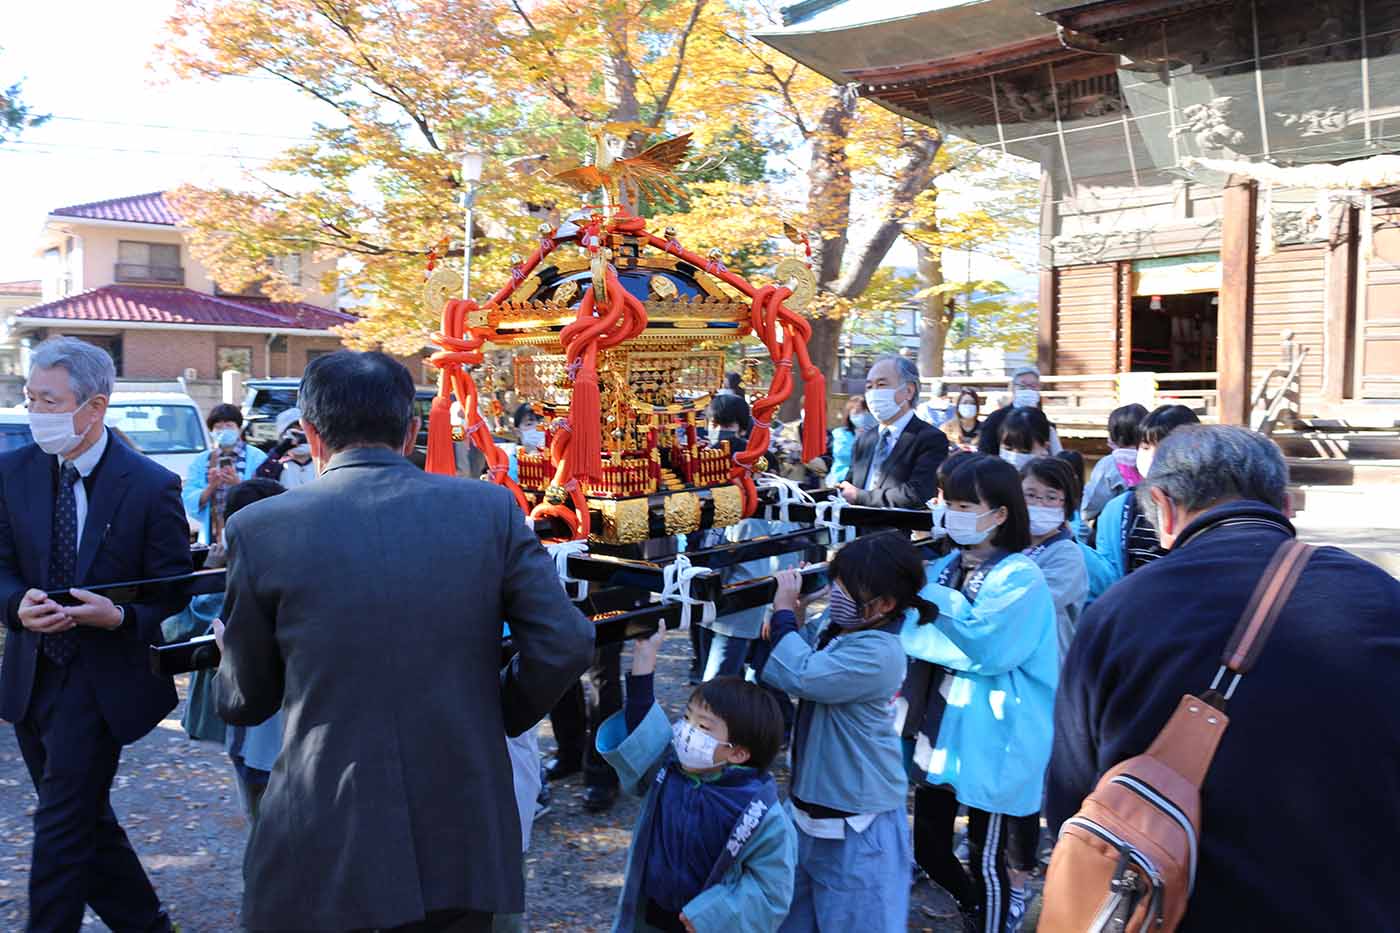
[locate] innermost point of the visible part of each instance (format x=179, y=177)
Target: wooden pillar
x=1045, y=342
x=1340, y=308
x=1237, y=233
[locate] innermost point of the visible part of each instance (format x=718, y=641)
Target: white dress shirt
x=894, y=430
x=86, y=462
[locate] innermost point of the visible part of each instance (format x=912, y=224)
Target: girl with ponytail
x=848, y=783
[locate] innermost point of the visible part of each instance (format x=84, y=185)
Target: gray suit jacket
x=367, y=606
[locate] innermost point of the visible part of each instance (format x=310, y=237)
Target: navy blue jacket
x=135, y=529
x=1302, y=803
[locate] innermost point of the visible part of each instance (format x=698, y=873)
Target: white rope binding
x=675, y=588
x=561, y=551
x=829, y=517
x=789, y=493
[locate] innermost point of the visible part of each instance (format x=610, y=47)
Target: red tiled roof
x=26, y=287
x=149, y=208
x=184, y=307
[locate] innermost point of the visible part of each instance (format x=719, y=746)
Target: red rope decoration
x=577, y=452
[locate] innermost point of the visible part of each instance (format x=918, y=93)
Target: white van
x=168, y=427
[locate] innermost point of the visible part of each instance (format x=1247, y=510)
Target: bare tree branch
x=665, y=100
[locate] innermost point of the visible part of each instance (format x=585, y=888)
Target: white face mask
x=300, y=452
x=532, y=438
x=1016, y=458
x=694, y=749
x=967, y=410
x=228, y=437
x=1025, y=398
x=1045, y=518
x=882, y=404
x=55, y=432
x=962, y=527
x=936, y=526
x=863, y=421
x=1144, y=461
x=1126, y=455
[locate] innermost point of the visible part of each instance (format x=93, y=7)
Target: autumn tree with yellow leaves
x=408, y=85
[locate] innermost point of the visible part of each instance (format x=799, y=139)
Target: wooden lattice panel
x=664, y=378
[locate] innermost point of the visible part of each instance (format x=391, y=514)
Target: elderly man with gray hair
x=1303, y=796
x=79, y=508
x=1025, y=393
x=895, y=466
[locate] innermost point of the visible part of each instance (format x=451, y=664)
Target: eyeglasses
x=1054, y=499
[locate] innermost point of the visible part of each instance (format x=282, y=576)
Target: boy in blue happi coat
x=712, y=849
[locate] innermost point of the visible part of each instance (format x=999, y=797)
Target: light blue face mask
x=863, y=421
x=228, y=437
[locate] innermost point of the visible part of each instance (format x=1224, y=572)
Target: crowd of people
x=1041, y=632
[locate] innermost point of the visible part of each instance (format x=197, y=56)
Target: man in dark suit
x=368, y=607
x=79, y=507
x=896, y=466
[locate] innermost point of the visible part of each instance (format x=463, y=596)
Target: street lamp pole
x=471, y=183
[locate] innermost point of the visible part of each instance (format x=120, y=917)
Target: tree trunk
x=933, y=311
x=830, y=200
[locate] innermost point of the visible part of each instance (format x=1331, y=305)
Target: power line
x=42, y=148
x=181, y=129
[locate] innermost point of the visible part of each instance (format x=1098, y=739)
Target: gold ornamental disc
x=442, y=286
x=795, y=274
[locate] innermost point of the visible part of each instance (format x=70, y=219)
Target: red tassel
x=441, y=455
x=585, y=417
x=813, y=414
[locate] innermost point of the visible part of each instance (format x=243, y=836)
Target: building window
x=312, y=354
x=149, y=262
x=238, y=359
x=289, y=267
x=277, y=344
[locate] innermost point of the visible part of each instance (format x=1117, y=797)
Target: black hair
x=856, y=402
x=1056, y=473
x=733, y=381
x=750, y=713
x=357, y=399
x=250, y=491
x=1023, y=428
x=1076, y=461
x=1163, y=421
x=1123, y=424
x=994, y=481
x=521, y=413
x=951, y=463
x=731, y=409
x=223, y=412
x=880, y=566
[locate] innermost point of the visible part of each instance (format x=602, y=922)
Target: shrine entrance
x=1174, y=333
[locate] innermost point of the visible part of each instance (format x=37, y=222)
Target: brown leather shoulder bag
x=1127, y=860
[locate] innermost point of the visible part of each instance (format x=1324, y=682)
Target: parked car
x=265, y=399
x=168, y=427
x=14, y=429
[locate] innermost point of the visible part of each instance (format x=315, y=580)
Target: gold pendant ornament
x=442, y=286
x=796, y=275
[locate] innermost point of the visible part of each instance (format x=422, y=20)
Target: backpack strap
x=1187, y=743
x=1260, y=615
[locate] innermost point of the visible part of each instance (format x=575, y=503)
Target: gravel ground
x=179, y=804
